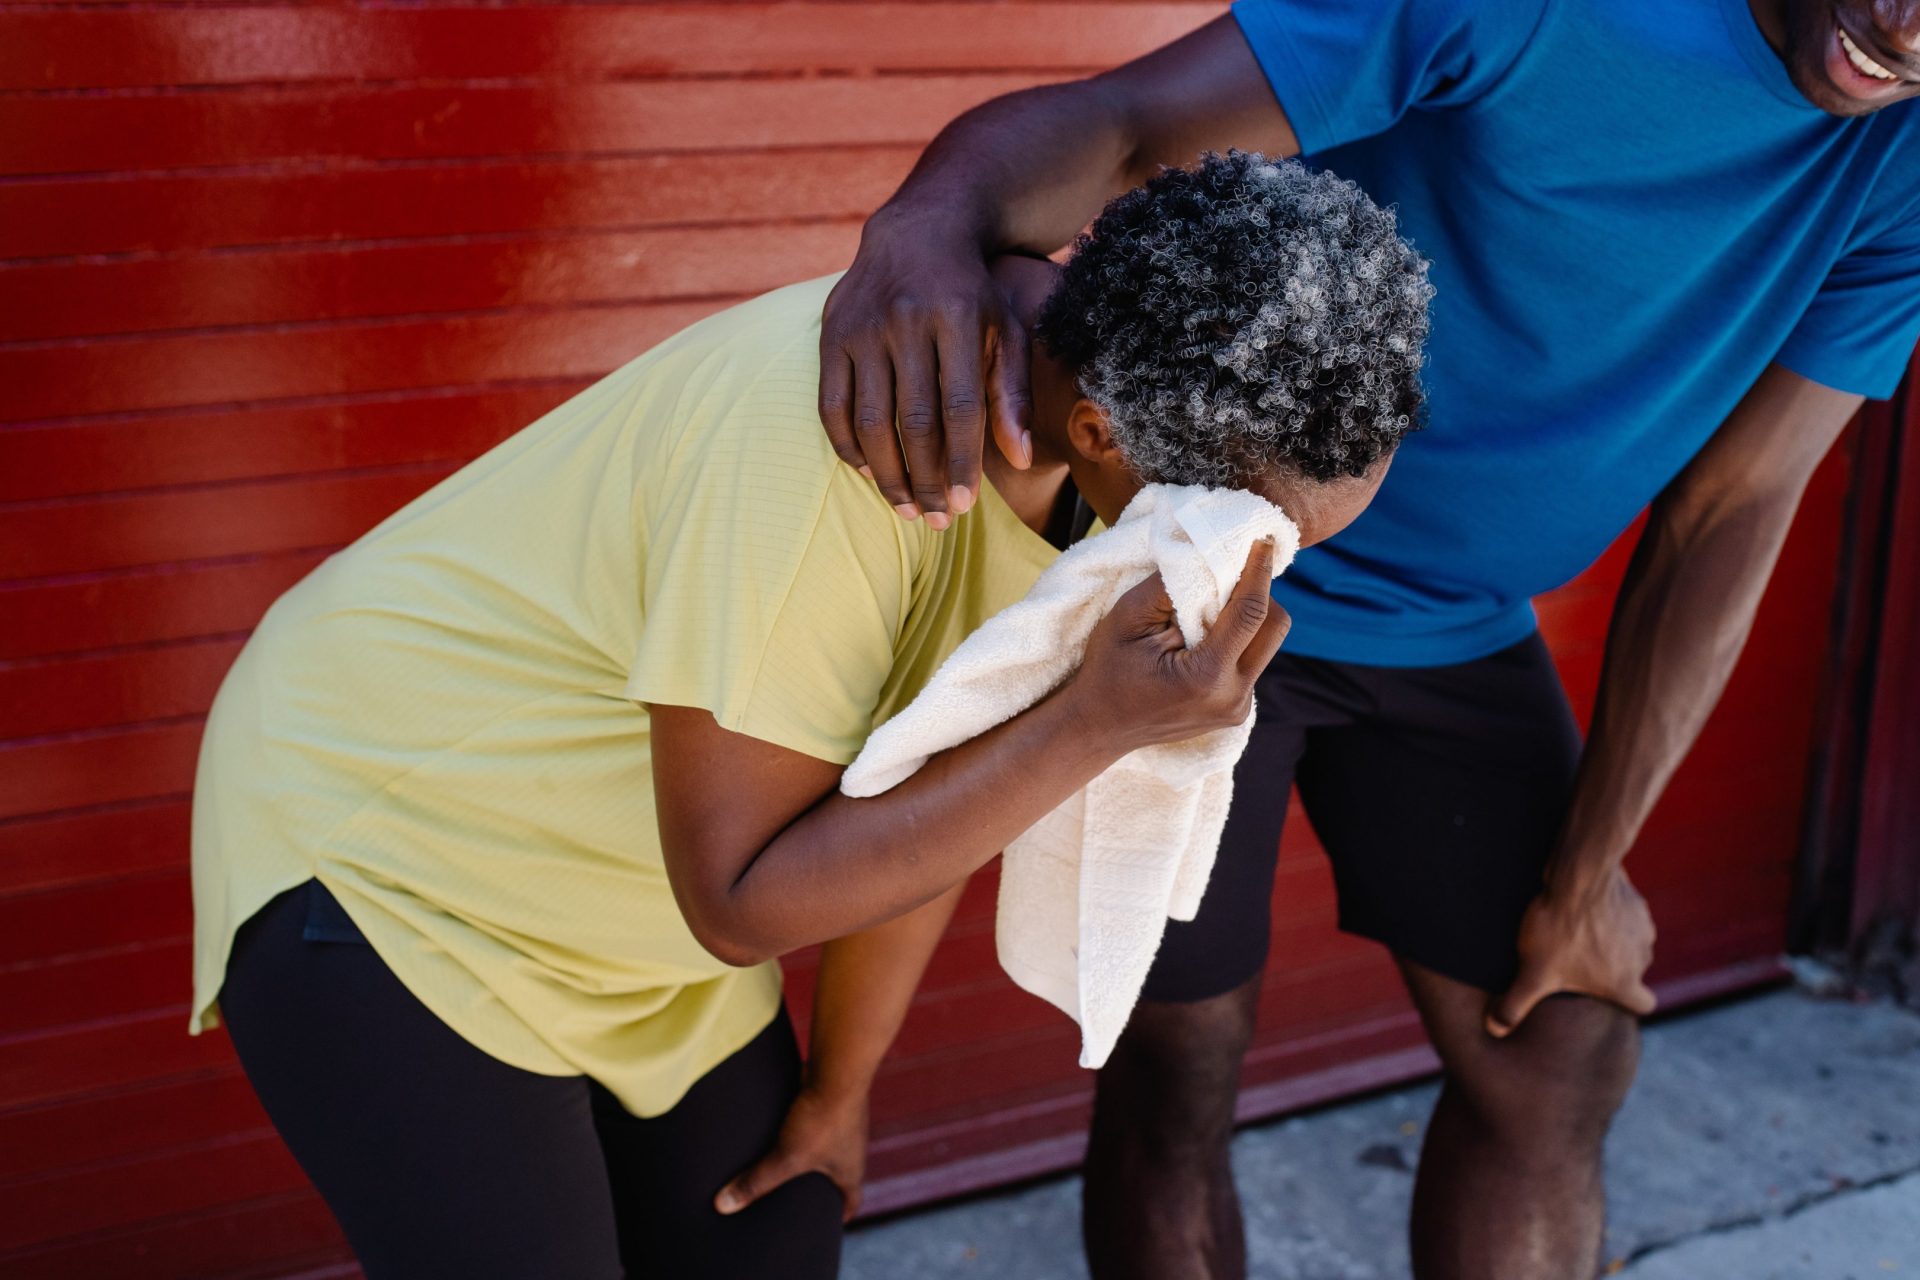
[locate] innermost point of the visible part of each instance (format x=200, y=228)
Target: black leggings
x=439, y=1160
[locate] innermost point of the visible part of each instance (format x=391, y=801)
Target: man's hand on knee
x=1596, y=944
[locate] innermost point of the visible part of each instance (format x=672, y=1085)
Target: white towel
x=1086, y=893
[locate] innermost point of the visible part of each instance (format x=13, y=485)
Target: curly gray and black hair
x=1241, y=316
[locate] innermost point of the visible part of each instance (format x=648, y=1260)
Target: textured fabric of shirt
x=1630, y=211
x=446, y=723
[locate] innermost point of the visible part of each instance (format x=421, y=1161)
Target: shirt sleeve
x=776, y=585
x=1858, y=333
x=1347, y=69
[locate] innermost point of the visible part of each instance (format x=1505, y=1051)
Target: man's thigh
x=1440, y=806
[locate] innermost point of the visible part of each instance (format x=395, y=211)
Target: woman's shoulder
x=777, y=328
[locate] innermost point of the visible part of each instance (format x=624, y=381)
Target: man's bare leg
x=1509, y=1186
x=1159, y=1199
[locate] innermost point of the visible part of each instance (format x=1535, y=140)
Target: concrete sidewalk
x=1773, y=1139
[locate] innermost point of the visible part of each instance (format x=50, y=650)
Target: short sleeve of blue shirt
x=1859, y=331
x=1346, y=69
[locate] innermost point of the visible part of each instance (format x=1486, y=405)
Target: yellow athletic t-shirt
x=446, y=722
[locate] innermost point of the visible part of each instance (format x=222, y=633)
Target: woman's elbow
x=727, y=938
x=737, y=955
x=712, y=903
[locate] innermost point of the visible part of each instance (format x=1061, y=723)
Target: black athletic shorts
x=442, y=1163
x=1437, y=791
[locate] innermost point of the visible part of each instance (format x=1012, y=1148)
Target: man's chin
x=1813, y=60
x=1809, y=76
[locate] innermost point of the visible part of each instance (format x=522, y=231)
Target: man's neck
x=1771, y=17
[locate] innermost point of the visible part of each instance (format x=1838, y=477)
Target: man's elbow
x=1756, y=501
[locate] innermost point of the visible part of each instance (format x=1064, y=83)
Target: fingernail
x=1026, y=448
x=960, y=498
x=866, y=471
x=937, y=520
x=908, y=511
x=727, y=1202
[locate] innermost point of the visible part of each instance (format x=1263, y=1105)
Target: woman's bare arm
x=860, y=998
x=765, y=855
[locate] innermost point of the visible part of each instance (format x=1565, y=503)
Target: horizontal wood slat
x=269, y=126
x=68, y=1061
x=147, y=763
x=43, y=929
x=134, y=1123
x=168, y=47
x=173, y=1182
x=144, y=606
x=263, y=287
x=94, y=988
x=114, y=689
x=345, y=200
x=192, y=524
x=277, y=1233
x=68, y=849
x=83, y=458
x=169, y=371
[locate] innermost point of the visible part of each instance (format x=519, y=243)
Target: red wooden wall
x=1886, y=900
x=269, y=270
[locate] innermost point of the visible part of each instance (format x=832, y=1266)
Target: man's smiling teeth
x=1861, y=62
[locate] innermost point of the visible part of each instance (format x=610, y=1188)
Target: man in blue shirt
x=1674, y=245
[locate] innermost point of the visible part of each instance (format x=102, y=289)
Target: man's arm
x=904, y=328
x=1682, y=616
x=860, y=998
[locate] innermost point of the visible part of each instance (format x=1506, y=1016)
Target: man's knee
x=1174, y=1076
x=1559, y=1078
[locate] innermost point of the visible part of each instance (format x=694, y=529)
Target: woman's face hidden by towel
x=1321, y=508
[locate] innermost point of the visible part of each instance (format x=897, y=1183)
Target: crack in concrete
x=1728, y=1226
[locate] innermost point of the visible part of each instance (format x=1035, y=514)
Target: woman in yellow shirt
x=504, y=812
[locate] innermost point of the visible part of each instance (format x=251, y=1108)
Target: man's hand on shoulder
x=919, y=352
x=918, y=333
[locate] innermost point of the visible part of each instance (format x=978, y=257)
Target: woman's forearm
x=860, y=995
x=848, y=864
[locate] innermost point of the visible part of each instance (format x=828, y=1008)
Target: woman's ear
x=1091, y=435
x=1100, y=470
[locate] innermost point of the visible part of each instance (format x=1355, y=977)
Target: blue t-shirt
x=1630, y=212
